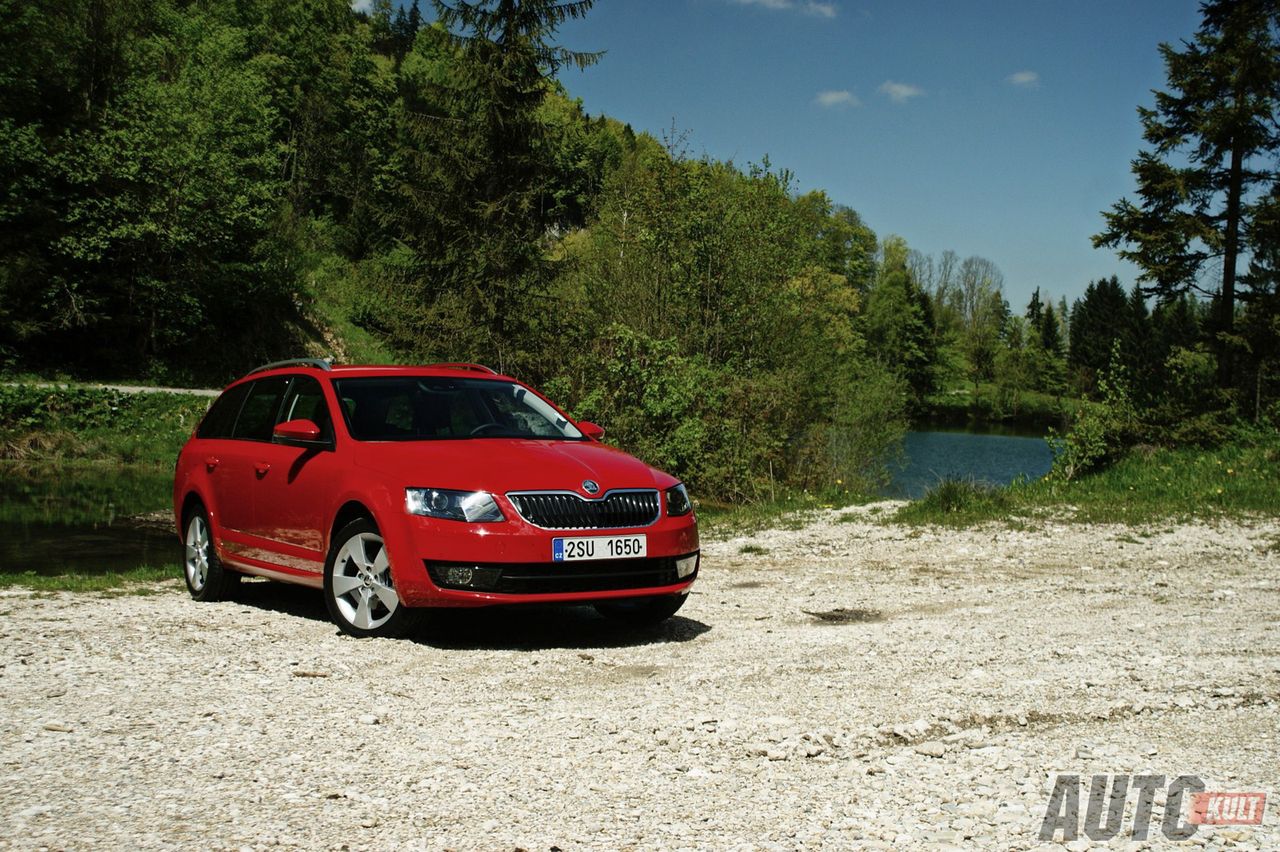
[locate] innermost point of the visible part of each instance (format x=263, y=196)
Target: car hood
x=500, y=465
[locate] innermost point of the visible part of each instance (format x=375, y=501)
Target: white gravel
x=856, y=685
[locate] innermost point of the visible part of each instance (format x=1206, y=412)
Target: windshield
x=429, y=408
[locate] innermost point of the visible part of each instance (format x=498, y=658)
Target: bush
x=730, y=435
x=1101, y=432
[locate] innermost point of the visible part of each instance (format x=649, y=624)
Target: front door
x=295, y=485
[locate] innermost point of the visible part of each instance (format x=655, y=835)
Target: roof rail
x=318, y=363
x=463, y=365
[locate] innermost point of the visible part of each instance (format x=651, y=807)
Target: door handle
x=262, y=468
x=211, y=462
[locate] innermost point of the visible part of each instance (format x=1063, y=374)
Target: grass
x=1146, y=486
x=787, y=512
x=957, y=502
x=92, y=424
x=137, y=581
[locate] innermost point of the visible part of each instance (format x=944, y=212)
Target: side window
x=258, y=415
x=222, y=414
x=306, y=402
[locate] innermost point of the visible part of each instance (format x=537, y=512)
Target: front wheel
x=641, y=612
x=207, y=578
x=358, y=587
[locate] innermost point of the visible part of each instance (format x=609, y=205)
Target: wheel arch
x=349, y=511
x=189, y=503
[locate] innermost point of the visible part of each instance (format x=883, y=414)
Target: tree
x=1214, y=140
x=978, y=301
x=897, y=321
x=475, y=172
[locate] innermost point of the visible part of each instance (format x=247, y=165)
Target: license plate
x=599, y=547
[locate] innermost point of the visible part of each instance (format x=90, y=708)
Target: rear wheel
x=358, y=587
x=207, y=578
x=641, y=612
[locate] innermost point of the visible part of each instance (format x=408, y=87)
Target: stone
x=933, y=748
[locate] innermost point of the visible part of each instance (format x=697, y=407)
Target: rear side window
x=222, y=414
x=258, y=414
x=306, y=402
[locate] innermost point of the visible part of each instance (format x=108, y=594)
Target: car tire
x=207, y=578
x=641, y=612
x=358, y=586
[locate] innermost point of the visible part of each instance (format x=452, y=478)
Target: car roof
x=323, y=369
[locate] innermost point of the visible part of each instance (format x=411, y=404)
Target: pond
x=82, y=518
x=993, y=458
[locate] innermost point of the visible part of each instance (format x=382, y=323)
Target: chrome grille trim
x=627, y=508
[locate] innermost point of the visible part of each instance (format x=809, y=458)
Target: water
x=62, y=519
x=991, y=458
x=80, y=519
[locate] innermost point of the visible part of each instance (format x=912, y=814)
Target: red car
x=395, y=489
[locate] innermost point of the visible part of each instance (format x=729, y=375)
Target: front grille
x=532, y=578
x=560, y=510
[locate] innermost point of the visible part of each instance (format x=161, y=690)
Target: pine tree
x=1214, y=141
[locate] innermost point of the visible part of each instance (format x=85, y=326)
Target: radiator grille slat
x=555, y=510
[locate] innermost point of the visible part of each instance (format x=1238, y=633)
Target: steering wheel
x=485, y=427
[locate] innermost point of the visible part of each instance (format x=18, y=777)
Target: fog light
x=686, y=566
x=458, y=575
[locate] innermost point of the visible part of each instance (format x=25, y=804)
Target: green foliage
x=897, y=320
x=137, y=581
x=61, y=423
x=143, y=206
x=1207, y=182
x=1102, y=431
x=957, y=502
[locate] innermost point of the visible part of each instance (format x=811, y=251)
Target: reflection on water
x=995, y=459
x=76, y=518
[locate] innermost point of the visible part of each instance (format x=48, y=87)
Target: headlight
x=678, y=501
x=478, y=507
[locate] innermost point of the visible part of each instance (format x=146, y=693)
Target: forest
x=190, y=189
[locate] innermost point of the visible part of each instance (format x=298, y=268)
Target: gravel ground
x=843, y=685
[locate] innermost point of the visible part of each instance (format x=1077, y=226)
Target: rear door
x=214, y=446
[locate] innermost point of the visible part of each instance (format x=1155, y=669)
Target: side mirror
x=591, y=430
x=295, y=433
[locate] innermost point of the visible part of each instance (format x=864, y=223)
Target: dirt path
x=120, y=388
x=852, y=686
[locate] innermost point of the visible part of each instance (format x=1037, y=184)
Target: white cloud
x=816, y=8
x=900, y=93
x=820, y=10
x=1024, y=79
x=365, y=6
x=837, y=99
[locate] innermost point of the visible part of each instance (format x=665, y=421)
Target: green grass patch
x=1147, y=486
x=137, y=581
x=75, y=423
x=957, y=502
x=788, y=512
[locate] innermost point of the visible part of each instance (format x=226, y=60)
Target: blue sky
x=993, y=128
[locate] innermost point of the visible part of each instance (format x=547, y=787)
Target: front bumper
x=510, y=563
